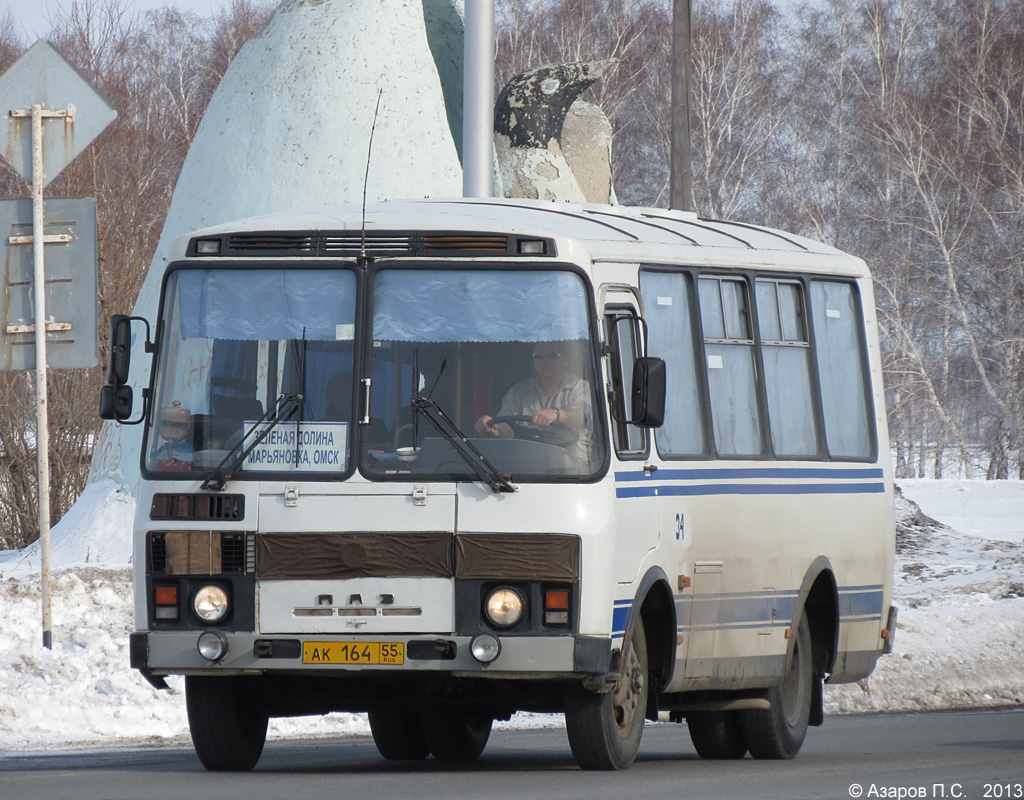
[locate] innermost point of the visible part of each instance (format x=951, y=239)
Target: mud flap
x=817, y=701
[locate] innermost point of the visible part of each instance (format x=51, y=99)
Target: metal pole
x=478, y=100
x=42, y=424
x=680, y=182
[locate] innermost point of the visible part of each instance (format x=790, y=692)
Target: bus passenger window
x=732, y=378
x=667, y=298
x=785, y=351
x=839, y=349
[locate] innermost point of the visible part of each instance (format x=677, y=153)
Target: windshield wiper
x=461, y=444
x=286, y=406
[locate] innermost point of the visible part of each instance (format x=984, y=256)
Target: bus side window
x=624, y=348
x=785, y=352
x=731, y=366
x=667, y=302
x=839, y=347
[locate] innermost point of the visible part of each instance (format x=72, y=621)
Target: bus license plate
x=353, y=653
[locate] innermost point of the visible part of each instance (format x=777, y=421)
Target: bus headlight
x=485, y=648
x=504, y=607
x=210, y=603
x=212, y=645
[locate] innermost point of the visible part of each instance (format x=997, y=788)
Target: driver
x=553, y=395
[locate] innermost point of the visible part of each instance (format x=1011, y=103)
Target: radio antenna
x=364, y=259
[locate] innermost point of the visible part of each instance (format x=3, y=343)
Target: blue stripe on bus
x=736, y=473
x=660, y=482
x=620, y=616
x=861, y=601
x=747, y=610
x=749, y=489
x=741, y=611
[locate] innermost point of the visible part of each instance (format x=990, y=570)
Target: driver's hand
x=483, y=425
x=545, y=417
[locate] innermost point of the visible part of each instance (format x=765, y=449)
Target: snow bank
x=960, y=637
x=960, y=642
x=96, y=531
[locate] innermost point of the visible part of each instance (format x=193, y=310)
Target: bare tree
x=158, y=71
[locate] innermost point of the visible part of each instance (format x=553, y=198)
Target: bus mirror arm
x=116, y=398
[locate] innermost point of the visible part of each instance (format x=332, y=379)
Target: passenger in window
x=553, y=396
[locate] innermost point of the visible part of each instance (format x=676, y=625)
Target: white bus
x=444, y=461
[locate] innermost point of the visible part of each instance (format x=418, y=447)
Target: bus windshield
x=246, y=353
x=265, y=371
x=502, y=356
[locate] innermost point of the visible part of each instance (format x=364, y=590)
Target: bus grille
x=350, y=244
x=230, y=507
x=255, y=243
x=201, y=553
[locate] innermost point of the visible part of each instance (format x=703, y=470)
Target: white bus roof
x=607, y=233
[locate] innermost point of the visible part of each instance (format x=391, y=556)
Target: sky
x=30, y=16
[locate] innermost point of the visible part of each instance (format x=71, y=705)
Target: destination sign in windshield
x=305, y=447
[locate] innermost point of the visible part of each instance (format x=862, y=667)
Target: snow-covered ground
x=959, y=584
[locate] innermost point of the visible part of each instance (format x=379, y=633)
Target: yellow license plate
x=358, y=653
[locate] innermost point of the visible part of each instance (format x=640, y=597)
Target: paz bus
x=363, y=489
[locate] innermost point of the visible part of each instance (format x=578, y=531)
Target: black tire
x=779, y=732
x=399, y=735
x=227, y=720
x=457, y=735
x=605, y=729
x=716, y=734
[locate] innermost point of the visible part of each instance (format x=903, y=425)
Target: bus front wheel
x=604, y=729
x=457, y=735
x=779, y=732
x=227, y=722
x=399, y=735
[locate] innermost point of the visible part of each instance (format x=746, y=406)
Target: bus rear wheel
x=779, y=732
x=457, y=735
x=399, y=735
x=227, y=722
x=716, y=734
x=605, y=729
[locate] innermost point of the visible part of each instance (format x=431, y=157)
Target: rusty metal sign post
x=41, y=86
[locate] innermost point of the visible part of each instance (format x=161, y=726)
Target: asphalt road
x=975, y=756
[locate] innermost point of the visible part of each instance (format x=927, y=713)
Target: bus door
x=636, y=506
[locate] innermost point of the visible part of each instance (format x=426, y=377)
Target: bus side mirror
x=648, y=392
x=116, y=402
x=119, y=361
x=116, y=397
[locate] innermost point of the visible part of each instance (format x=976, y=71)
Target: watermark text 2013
x=955, y=791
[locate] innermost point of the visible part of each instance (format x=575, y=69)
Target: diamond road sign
x=42, y=76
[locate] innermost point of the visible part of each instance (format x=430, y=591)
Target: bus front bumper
x=158, y=653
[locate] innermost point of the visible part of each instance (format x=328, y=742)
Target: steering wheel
x=557, y=433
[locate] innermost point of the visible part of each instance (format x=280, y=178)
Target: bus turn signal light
x=556, y=600
x=166, y=602
x=556, y=606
